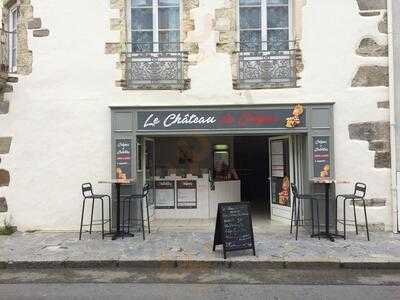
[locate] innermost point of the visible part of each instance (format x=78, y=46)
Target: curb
x=192, y=264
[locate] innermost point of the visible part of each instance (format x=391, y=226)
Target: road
x=196, y=284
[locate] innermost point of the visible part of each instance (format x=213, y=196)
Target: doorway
x=251, y=163
x=266, y=166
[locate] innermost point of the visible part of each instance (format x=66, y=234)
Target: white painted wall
x=60, y=118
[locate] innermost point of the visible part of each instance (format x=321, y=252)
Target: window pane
x=168, y=18
x=168, y=2
x=277, y=1
x=250, y=40
x=142, y=41
x=169, y=41
x=278, y=17
x=139, y=3
x=250, y=18
x=142, y=18
x=250, y=2
x=277, y=39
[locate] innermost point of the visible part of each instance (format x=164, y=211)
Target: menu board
x=234, y=228
x=123, y=158
x=165, y=194
x=321, y=157
x=186, y=194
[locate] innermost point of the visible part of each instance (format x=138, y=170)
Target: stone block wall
x=26, y=24
x=376, y=133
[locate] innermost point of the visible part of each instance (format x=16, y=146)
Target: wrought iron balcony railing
x=261, y=66
x=156, y=66
x=5, y=50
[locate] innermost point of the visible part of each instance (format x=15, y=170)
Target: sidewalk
x=168, y=247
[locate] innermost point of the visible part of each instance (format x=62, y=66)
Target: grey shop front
x=197, y=157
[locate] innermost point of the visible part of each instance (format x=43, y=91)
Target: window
x=155, y=25
x=12, y=26
x=264, y=24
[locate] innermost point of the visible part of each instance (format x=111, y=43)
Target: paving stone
x=275, y=247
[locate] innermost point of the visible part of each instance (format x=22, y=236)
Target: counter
x=191, y=198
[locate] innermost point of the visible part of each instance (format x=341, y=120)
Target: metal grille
x=269, y=68
x=149, y=68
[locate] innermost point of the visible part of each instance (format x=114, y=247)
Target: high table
x=118, y=183
x=327, y=183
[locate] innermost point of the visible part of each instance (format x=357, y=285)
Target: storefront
x=197, y=157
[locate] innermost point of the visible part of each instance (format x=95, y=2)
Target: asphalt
x=189, y=283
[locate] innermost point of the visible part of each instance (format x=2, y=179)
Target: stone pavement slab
x=276, y=248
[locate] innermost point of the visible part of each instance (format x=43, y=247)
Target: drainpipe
x=394, y=113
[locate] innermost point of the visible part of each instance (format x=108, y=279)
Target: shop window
x=266, y=52
x=154, y=56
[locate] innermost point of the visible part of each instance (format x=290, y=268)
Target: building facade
x=186, y=88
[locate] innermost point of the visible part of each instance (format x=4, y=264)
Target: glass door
x=148, y=165
x=280, y=164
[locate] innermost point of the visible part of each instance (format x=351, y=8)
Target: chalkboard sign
x=123, y=159
x=234, y=227
x=321, y=157
x=186, y=191
x=165, y=194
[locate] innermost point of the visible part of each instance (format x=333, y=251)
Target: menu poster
x=165, y=194
x=123, y=158
x=186, y=194
x=321, y=157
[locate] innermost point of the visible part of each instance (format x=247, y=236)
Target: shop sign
x=221, y=119
x=321, y=157
x=123, y=158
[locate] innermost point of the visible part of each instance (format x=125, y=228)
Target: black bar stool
x=87, y=192
x=298, y=200
x=128, y=201
x=360, y=189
